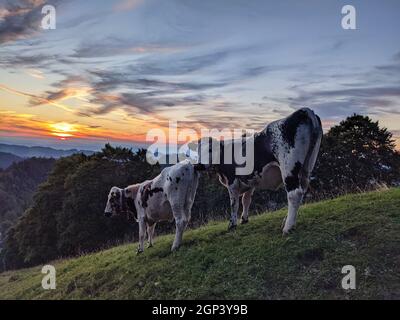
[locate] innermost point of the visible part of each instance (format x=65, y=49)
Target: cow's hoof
x=139, y=251
x=244, y=221
x=231, y=226
x=149, y=245
x=174, y=249
x=286, y=233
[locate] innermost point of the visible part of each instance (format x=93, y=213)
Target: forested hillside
x=17, y=186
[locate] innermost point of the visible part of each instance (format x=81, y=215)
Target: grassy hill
x=254, y=262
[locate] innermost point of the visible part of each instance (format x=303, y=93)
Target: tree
x=356, y=154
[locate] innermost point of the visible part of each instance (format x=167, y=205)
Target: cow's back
x=181, y=183
x=295, y=140
x=174, y=186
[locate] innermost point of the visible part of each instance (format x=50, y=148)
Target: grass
x=253, y=262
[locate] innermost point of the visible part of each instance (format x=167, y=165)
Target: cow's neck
x=128, y=202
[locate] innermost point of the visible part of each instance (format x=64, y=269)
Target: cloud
x=197, y=60
x=112, y=46
x=361, y=92
x=106, y=91
x=352, y=92
x=109, y=80
x=27, y=61
x=389, y=69
x=339, y=103
x=20, y=19
x=34, y=99
x=144, y=103
x=141, y=85
x=127, y=5
x=35, y=73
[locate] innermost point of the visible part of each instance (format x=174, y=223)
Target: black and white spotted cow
x=285, y=153
x=168, y=196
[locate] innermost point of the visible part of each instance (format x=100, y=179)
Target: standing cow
x=168, y=196
x=284, y=154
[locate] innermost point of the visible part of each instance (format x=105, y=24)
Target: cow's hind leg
x=246, y=201
x=296, y=182
x=181, y=221
x=150, y=234
x=294, y=200
x=142, y=234
x=234, y=196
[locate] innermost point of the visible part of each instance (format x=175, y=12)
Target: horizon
x=113, y=70
x=72, y=146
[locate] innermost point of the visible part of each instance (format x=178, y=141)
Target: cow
x=168, y=196
x=285, y=152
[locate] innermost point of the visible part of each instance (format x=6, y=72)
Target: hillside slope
x=254, y=262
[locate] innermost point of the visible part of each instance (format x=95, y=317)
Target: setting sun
x=62, y=130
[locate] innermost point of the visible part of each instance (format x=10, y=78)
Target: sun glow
x=63, y=130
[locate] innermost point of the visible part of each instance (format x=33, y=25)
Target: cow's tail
x=315, y=142
x=193, y=179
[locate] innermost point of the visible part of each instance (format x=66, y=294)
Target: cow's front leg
x=142, y=234
x=234, y=199
x=246, y=201
x=181, y=222
x=150, y=234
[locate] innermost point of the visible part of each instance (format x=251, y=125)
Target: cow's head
x=114, y=202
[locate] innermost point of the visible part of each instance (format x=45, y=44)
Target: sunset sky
x=112, y=70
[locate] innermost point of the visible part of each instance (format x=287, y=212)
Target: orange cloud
x=27, y=125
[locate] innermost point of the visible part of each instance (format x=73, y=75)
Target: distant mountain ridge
x=43, y=152
x=7, y=159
